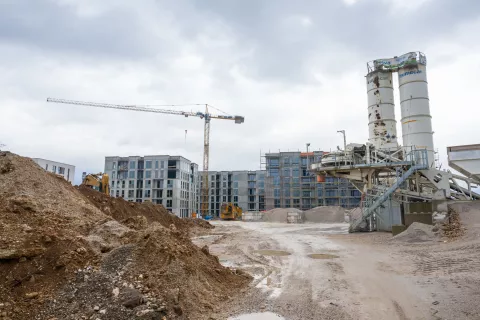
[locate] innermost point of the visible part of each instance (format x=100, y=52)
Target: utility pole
x=344, y=144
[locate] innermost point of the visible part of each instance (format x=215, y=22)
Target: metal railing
x=371, y=203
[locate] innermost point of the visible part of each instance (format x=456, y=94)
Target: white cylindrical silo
x=382, y=125
x=415, y=110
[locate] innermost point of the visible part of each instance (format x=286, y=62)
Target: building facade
x=290, y=184
x=167, y=180
x=63, y=169
x=245, y=189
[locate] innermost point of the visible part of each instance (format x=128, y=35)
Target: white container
x=382, y=125
x=415, y=110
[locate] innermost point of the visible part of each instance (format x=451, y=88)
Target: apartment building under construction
x=290, y=184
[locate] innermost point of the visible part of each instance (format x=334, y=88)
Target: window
x=169, y=184
x=296, y=201
x=224, y=199
x=114, y=165
x=296, y=172
x=148, y=174
x=46, y=167
x=156, y=164
x=131, y=174
x=147, y=193
x=251, y=206
x=274, y=172
x=224, y=184
x=287, y=203
x=296, y=192
x=162, y=164
x=169, y=193
x=251, y=198
x=123, y=184
x=251, y=177
x=132, y=164
x=286, y=161
x=235, y=199
x=118, y=193
x=61, y=170
x=123, y=193
x=276, y=193
x=148, y=184
x=251, y=191
x=235, y=185
x=286, y=172
x=296, y=182
x=235, y=192
x=113, y=174
x=131, y=193
x=251, y=184
x=148, y=164
x=54, y=169
x=273, y=162
x=113, y=184
x=287, y=193
x=169, y=203
x=140, y=174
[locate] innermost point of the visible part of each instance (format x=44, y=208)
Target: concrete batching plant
x=399, y=184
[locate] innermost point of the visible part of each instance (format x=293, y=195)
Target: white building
x=162, y=179
x=63, y=169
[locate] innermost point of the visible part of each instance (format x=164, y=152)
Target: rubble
x=89, y=254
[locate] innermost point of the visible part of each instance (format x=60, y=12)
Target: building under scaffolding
x=289, y=183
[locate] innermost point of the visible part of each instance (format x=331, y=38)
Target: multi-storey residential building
x=245, y=189
x=289, y=183
x=162, y=179
x=63, y=169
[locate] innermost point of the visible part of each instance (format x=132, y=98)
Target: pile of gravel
x=325, y=214
x=416, y=232
x=279, y=214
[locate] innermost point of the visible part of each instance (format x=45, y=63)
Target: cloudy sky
x=294, y=69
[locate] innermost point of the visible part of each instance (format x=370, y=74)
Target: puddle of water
x=322, y=256
x=277, y=253
x=258, y=316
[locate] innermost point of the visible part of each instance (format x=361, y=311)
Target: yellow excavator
x=230, y=212
x=98, y=181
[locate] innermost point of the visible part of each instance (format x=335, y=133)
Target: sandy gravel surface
x=358, y=276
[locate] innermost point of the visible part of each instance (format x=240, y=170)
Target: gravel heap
x=325, y=214
x=417, y=232
x=279, y=214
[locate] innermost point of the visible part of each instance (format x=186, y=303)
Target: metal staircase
x=370, y=205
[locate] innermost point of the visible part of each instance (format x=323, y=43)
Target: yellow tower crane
x=207, y=116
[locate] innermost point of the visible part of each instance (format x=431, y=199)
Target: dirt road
x=318, y=271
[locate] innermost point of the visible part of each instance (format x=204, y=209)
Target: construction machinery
x=148, y=108
x=98, y=181
x=230, y=212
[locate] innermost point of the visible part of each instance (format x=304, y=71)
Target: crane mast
x=207, y=116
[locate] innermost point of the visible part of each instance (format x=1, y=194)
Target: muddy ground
x=319, y=271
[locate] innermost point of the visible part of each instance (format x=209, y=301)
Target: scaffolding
x=289, y=183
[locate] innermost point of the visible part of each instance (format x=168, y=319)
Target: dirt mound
x=123, y=211
x=325, y=214
x=279, y=214
x=61, y=257
x=417, y=232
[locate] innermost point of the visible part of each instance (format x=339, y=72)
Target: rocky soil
x=68, y=253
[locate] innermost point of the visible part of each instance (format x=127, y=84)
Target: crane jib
x=201, y=115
